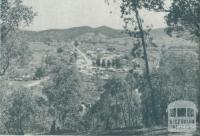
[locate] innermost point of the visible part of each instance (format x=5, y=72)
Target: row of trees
x=109, y=63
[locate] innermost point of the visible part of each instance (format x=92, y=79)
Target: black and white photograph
x=100, y=67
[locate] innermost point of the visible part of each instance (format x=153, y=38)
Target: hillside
x=72, y=33
x=92, y=42
x=102, y=41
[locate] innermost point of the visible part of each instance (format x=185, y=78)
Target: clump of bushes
x=59, y=50
x=39, y=73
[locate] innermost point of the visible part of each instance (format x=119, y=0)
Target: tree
x=98, y=81
x=118, y=107
x=118, y=62
x=184, y=15
x=113, y=63
x=13, y=15
x=23, y=53
x=178, y=73
x=59, y=50
x=3, y=104
x=76, y=43
x=175, y=79
x=20, y=107
x=130, y=12
x=134, y=26
x=98, y=62
x=53, y=127
x=63, y=94
x=108, y=63
x=50, y=60
x=103, y=63
x=39, y=73
x=115, y=87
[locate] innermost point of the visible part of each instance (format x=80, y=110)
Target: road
x=30, y=83
x=87, y=60
x=37, y=82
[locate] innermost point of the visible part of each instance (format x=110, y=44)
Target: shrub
x=39, y=73
x=59, y=50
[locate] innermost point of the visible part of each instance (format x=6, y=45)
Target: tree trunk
x=129, y=109
x=116, y=120
x=152, y=114
x=123, y=114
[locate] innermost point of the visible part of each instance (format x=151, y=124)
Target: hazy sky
x=58, y=14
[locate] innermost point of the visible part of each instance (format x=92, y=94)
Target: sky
x=61, y=14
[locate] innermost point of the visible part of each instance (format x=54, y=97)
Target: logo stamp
x=182, y=116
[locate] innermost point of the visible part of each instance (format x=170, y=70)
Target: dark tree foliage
x=59, y=50
x=134, y=26
x=98, y=62
x=63, y=94
x=118, y=63
x=13, y=15
x=176, y=79
x=184, y=15
x=53, y=127
x=17, y=115
x=108, y=63
x=39, y=73
x=113, y=63
x=103, y=63
x=76, y=43
x=118, y=107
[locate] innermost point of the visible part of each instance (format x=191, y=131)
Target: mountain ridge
x=72, y=33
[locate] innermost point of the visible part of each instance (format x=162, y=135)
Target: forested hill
x=72, y=33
